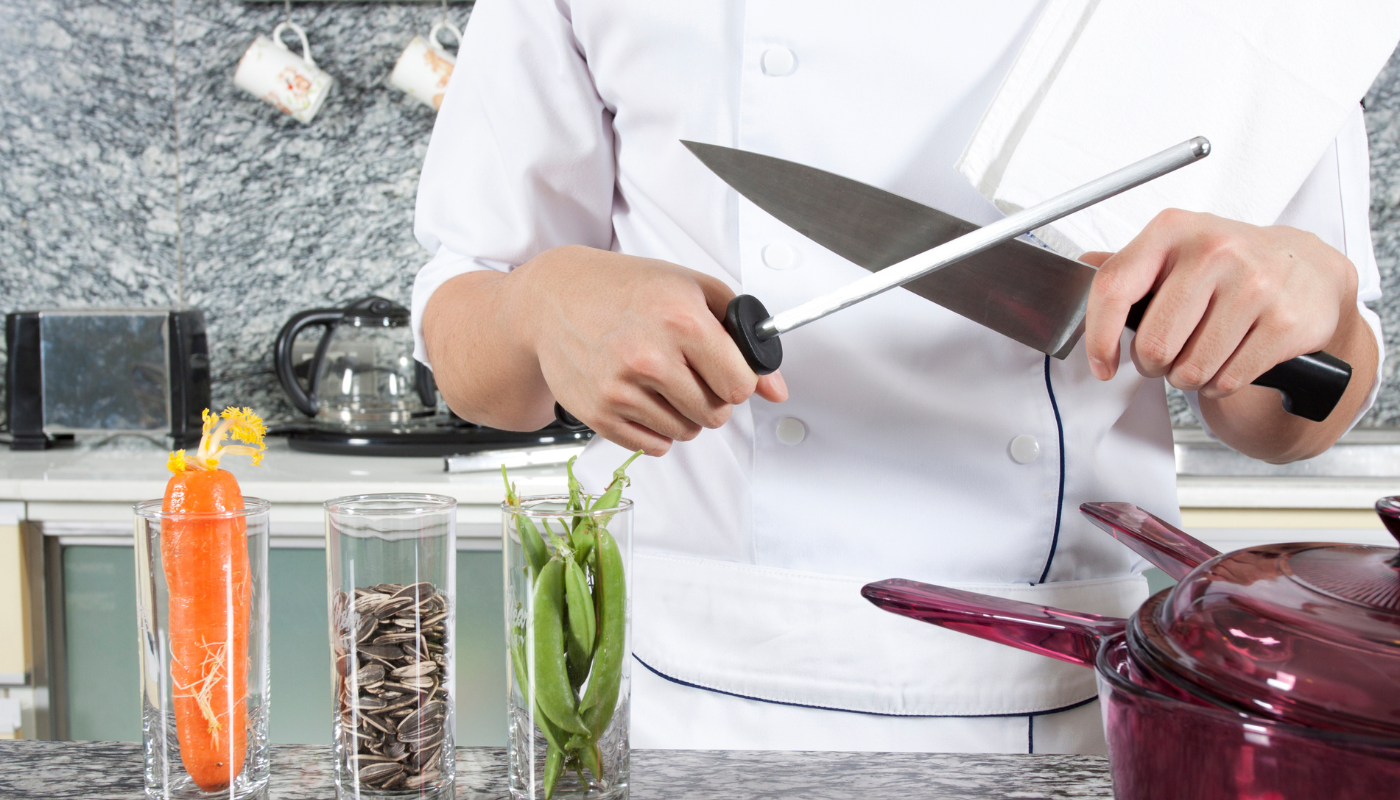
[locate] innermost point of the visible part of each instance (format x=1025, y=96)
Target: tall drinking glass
x=568, y=631
x=392, y=578
x=202, y=617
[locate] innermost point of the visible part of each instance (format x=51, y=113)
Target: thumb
x=772, y=387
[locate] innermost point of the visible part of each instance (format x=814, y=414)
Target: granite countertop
x=112, y=770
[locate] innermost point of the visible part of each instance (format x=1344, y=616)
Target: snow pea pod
x=582, y=625
x=535, y=551
x=553, y=769
x=552, y=691
x=600, y=698
x=533, y=544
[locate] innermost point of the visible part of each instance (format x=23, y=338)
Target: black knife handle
x=1311, y=384
x=741, y=319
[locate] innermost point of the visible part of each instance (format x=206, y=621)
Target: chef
x=583, y=256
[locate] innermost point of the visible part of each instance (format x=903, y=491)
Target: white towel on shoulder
x=1100, y=84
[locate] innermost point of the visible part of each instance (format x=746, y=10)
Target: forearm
x=483, y=359
x=1253, y=421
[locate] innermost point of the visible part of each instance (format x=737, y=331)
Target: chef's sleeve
x=521, y=156
x=1335, y=204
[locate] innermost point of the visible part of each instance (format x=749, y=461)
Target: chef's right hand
x=634, y=347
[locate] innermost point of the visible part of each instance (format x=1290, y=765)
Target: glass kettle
x=362, y=373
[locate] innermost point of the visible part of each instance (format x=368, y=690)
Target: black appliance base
x=419, y=442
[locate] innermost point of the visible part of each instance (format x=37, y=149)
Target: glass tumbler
x=202, y=618
x=392, y=577
x=568, y=631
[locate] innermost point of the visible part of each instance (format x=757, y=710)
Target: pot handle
x=1170, y=549
x=282, y=353
x=1071, y=636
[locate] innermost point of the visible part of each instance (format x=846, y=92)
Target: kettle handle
x=282, y=353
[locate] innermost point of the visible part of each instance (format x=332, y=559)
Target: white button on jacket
x=562, y=125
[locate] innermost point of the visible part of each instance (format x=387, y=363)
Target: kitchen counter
x=112, y=771
x=85, y=492
x=91, y=488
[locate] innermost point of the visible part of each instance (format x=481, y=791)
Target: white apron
x=561, y=126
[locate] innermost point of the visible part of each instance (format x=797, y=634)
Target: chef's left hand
x=1231, y=301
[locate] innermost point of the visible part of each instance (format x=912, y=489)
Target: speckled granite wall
x=1383, y=128
x=260, y=216
x=87, y=165
x=273, y=216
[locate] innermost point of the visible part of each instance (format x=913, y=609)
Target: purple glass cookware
x=1268, y=673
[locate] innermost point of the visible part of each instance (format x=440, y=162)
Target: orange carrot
x=210, y=585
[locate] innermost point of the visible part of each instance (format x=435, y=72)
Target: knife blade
x=1028, y=293
x=1022, y=291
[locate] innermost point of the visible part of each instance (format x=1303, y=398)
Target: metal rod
x=1173, y=158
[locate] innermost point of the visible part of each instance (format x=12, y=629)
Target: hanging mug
x=293, y=83
x=423, y=69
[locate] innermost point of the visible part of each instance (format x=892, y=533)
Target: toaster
x=140, y=371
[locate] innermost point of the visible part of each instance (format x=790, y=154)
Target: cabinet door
x=99, y=591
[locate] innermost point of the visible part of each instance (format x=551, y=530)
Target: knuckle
x=1227, y=384
x=1189, y=376
x=1112, y=286
x=688, y=433
x=1153, y=351
x=642, y=362
x=1171, y=218
x=716, y=417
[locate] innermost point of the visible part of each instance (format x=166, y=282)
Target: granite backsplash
x=132, y=172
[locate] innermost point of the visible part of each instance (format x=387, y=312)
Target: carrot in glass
x=207, y=574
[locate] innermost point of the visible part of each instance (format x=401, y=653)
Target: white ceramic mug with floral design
x=425, y=65
x=292, y=83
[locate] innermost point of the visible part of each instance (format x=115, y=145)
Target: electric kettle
x=362, y=373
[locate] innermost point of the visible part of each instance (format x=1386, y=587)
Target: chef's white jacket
x=894, y=456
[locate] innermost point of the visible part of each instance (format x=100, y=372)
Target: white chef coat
x=915, y=444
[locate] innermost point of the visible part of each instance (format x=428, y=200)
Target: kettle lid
x=376, y=310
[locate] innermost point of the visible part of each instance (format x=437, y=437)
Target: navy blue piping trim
x=680, y=682
x=1060, y=501
x=1030, y=735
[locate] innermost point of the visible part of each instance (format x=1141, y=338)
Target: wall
x=136, y=174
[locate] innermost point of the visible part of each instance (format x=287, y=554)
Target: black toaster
x=141, y=371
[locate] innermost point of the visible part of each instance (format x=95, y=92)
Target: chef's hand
x=1231, y=301
x=633, y=347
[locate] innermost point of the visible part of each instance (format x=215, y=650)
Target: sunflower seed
x=369, y=702
x=424, y=759
x=418, y=592
x=384, y=651
x=416, y=781
x=364, y=629
x=415, y=670
x=366, y=604
x=435, y=710
x=374, y=774
x=394, y=638
x=370, y=675
x=378, y=724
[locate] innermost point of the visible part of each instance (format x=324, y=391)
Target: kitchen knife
x=1025, y=292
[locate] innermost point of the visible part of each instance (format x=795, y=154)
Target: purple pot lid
x=1308, y=632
